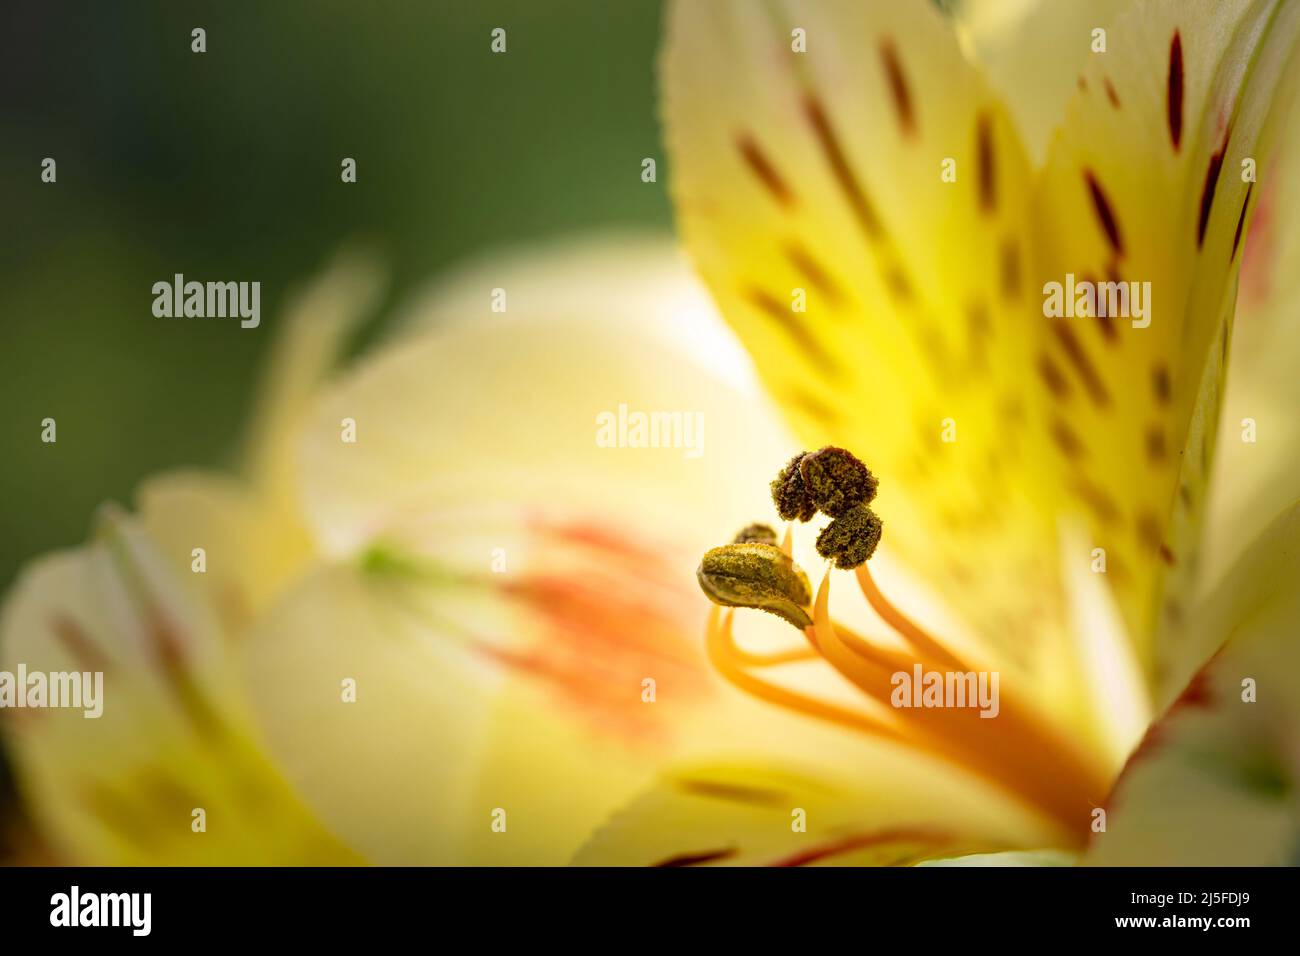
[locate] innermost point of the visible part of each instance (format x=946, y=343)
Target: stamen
x=755, y=534
x=855, y=642
x=837, y=481
x=915, y=635
x=850, y=540
x=729, y=661
x=832, y=481
x=777, y=658
x=756, y=575
x=790, y=494
x=958, y=736
x=755, y=572
x=869, y=674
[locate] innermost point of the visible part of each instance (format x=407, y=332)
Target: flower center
x=998, y=736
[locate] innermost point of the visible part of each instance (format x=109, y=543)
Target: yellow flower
x=507, y=583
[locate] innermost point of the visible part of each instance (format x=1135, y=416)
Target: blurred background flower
x=226, y=166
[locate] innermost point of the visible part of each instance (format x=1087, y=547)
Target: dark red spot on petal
x=898, y=87
x=758, y=163
x=848, y=844
x=736, y=792
x=1105, y=214
x=1241, y=221
x=1148, y=530
x=1199, y=692
x=1066, y=440
x=1052, y=378
x=1174, y=97
x=1100, y=503
x=812, y=270
x=1111, y=94
x=1156, y=443
x=798, y=331
x=839, y=163
x=1160, y=384
x=1010, y=269
x=1074, y=351
x=1207, y=192
x=696, y=859
x=75, y=640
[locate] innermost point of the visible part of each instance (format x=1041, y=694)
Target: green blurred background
x=225, y=166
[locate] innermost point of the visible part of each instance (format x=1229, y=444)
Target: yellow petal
x=1255, y=462
x=311, y=337
x=374, y=719
x=510, y=576
x=1008, y=858
x=748, y=815
x=543, y=406
x=1213, y=784
x=616, y=276
x=824, y=172
x=1033, y=52
x=1143, y=185
x=174, y=736
x=250, y=548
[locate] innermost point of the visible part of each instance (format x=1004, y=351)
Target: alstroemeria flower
x=509, y=590
x=1015, y=451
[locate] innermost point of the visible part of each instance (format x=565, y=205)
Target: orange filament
x=775, y=659
x=1018, y=751
x=730, y=662
x=915, y=635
